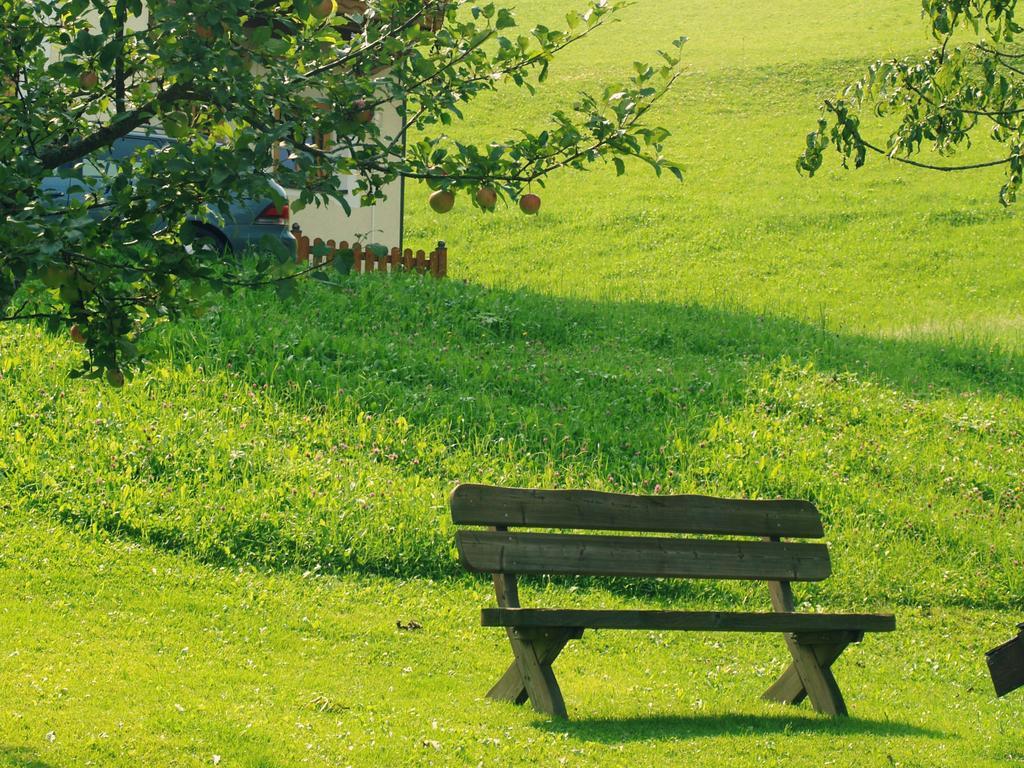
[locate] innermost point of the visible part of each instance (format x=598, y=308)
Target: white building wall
x=380, y=223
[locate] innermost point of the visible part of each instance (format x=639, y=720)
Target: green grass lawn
x=118, y=655
x=212, y=560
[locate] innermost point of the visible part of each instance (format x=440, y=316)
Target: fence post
x=301, y=244
x=442, y=259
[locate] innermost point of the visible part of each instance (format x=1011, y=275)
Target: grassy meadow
x=212, y=561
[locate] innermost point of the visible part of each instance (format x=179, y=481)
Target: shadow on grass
x=644, y=727
x=510, y=386
x=603, y=385
x=22, y=757
x=445, y=347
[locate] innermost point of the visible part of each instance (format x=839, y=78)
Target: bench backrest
x=765, y=558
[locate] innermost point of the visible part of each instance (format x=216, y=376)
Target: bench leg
x=530, y=676
x=810, y=674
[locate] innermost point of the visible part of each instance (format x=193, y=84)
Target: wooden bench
x=538, y=635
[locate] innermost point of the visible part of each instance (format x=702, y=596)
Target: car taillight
x=273, y=214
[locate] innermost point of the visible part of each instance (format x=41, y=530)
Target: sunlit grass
x=333, y=441
x=854, y=339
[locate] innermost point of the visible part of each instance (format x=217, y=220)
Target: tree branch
x=121, y=126
x=907, y=161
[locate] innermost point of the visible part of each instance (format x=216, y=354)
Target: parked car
x=247, y=223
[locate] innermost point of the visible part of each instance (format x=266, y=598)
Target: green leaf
x=285, y=289
x=344, y=259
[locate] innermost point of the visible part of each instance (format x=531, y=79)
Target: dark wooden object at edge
x=1006, y=664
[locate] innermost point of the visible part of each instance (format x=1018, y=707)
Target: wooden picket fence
x=365, y=260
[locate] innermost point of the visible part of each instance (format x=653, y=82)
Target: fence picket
x=442, y=255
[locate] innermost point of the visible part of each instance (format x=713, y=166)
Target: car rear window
x=128, y=146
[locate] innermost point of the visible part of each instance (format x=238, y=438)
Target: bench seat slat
x=596, y=510
x=708, y=621
x=591, y=555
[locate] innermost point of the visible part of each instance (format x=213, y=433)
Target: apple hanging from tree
x=203, y=32
x=323, y=9
x=115, y=378
x=88, y=80
x=364, y=111
x=529, y=204
x=442, y=201
x=76, y=334
x=176, y=124
x=487, y=198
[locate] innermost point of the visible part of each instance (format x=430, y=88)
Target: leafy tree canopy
x=229, y=79
x=968, y=87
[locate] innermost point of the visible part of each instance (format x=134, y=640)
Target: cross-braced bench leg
x=530, y=676
x=810, y=674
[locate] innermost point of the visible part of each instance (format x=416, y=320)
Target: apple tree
x=229, y=80
x=969, y=89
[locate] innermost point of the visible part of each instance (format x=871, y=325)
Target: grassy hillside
x=886, y=250
x=328, y=432
x=853, y=339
